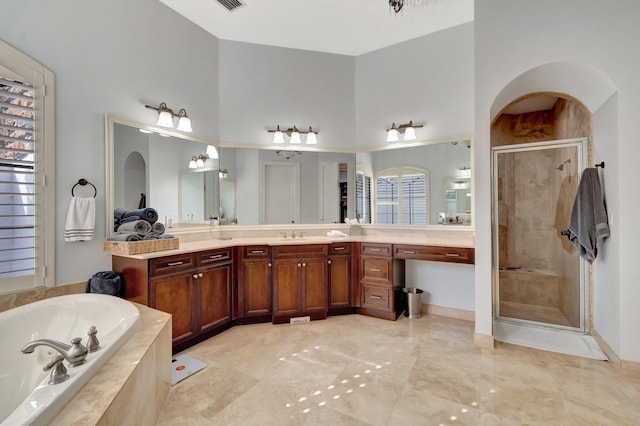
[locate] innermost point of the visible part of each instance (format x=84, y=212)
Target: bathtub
x=25, y=395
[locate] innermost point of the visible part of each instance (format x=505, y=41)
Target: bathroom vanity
x=211, y=286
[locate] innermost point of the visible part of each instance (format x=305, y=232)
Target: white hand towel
x=81, y=219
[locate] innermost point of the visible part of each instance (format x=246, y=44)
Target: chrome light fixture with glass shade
x=294, y=135
x=166, y=115
x=408, y=131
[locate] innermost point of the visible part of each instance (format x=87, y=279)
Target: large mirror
x=421, y=185
x=286, y=186
x=416, y=185
x=150, y=167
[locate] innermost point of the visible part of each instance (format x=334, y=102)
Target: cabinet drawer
x=437, y=253
x=172, y=264
x=296, y=251
x=340, y=249
x=377, y=297
x=256, y=252
x=211, y=257
x=376, y=249
x=374, y=269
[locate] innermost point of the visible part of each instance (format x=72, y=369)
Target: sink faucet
x=75, y=353
x=293, y=234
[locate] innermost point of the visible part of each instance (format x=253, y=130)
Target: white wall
x=514, y=37
x=263, y=86
x=428, y=80
x=110, y=57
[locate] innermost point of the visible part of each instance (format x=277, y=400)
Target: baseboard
x=613, y=356
x=483, y=341
x=445, y=311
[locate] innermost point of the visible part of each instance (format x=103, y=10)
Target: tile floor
x=356, y=370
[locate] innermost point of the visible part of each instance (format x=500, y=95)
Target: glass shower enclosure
x=539, y=278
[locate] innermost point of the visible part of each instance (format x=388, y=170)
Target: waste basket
x=414, y=301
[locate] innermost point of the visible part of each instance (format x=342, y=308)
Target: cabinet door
x=257, y=287
x=314, y=287
x=339, y=282
x=214, y=304
x=286, y=287
x=176, y=295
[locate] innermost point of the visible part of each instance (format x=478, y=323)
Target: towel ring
x=83, y=182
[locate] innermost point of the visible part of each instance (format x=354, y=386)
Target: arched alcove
x=135, y=180
x=560, y=101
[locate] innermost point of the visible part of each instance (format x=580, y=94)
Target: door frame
x=585, y=300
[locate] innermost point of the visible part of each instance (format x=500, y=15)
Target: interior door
x=281, y=194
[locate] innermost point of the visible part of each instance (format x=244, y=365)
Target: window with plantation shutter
x=24, y=237
x=402, y=196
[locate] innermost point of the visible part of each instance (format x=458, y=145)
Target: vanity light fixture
x=197, y=161
x=166, y=114
x=407, y=130
x=223, y=174
x=294, y=135
x=465, y=172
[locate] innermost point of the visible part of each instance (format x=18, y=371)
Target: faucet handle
x=301, y=234
x=284, y=234
x=58, y=370
x=93, y=344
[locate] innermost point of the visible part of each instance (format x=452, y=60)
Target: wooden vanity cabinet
x=380, y=282
x=340, y=278
x=172, y=289
x=254, y=283
x=300, y=282
x=434, y=253
x=195, y=288
x=213, y=289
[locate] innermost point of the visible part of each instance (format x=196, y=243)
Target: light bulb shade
x=409, y=133
x=199, y=162
x=295, y=137
x=184, y=124
x=192, y=164
x=165, y=119
x=278, y=137
x=392, y=135
x=311, y=138
x=212, y=152
x=223, y=174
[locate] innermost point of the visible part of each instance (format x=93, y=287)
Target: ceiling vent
x=231, y=5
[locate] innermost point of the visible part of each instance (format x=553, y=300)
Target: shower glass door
x=538, y=275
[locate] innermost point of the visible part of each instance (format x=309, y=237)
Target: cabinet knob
x=299, y=265
x=200, y=275
x=329, y=262
x=304, y=264
x=269, y=264
x=195, y=276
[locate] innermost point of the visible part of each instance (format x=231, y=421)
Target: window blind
x=363, y=197
x=17, y=183
x=413, y=200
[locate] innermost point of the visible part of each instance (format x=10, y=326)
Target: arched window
x=27, y=257
x=402, y=196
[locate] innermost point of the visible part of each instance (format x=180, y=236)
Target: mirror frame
x=109, y=121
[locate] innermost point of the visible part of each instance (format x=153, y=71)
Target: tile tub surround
x=357, y=370
x=131, y=388
x=13, y=300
